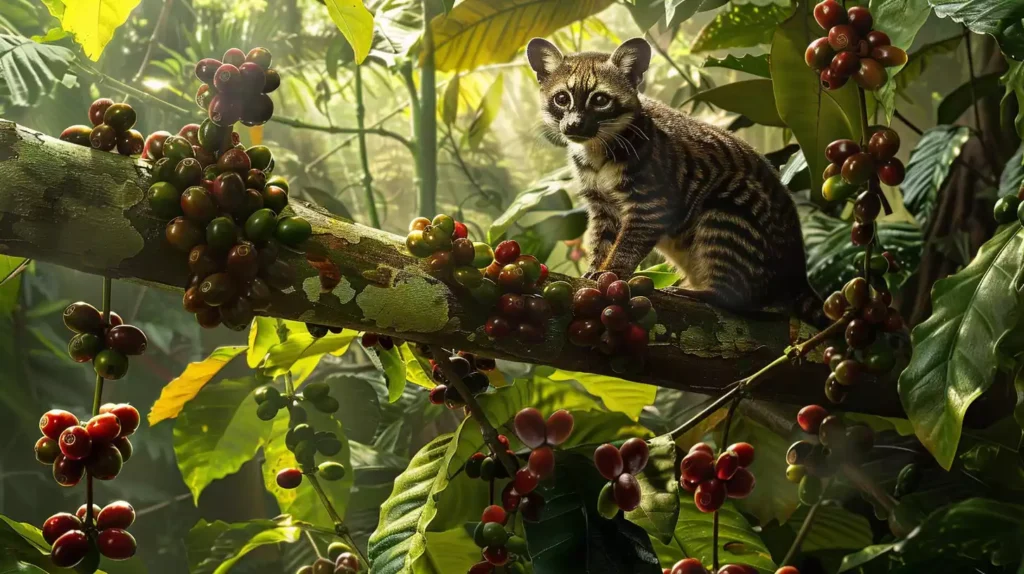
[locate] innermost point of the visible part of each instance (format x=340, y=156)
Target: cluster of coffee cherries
x=317, y=393
x=318, y=331
x=867, y=354
x=694, y=566
x=473, y=372
x=620, y=465
x=713, y=480
x=339, y=560
x=541, y=436
x=108, y=344
x=235, y=87
x=810, y=462
x=111, y=129
x=375, y=340
x=615, y=317
x=449, y=253
x=853, y=173
x=487, y=467
x=851, y=48
x=498, y=546
x=1008, y=208
x=78, y=540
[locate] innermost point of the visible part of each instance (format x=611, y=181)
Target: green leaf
x=217, y=432
x=659, y=505
x=954, y=358
x=11, y=266
x=398, y=25
x=355, y=23
x=975, y=528
x=177, y=393
x=816, y=116
x=742, y=26
x=392, y=364
x=450, y=102
x=30, y=70
x=1013, y=79
x=10, y=565
x=797, y=163
x=300, y=346
x=93, y=22
x=1012, y=176
x=571, y=533
x=215, y=547
x=663, y=275
x=303, y=503
x=834, y=528
x=774, y=497
x=616, y=394
x=993, y=17
x=360, y=411
x=830, y=253
x=749, y=63
x=754, y=99
x=919, y=61
x=961, y=99
x=488, y=110
x=550, y=185
x=478, y=32
x=929, y=166
x=902, y=427
x=693, y=538
x=900, y=20
x=264, y=334
x=869, y=553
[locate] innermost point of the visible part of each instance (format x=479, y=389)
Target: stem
x=488, y=431
x=161, y=21
x=312, y=543
x=896, y=114
x=868, y=486
x=863, y=118
x=680, y=71
x=129, y=90
x=97, y=399
x=363, y=158
x=805, y=529
x=801, y=349
x=725, y=441
x=295, y=123
x=426, y=135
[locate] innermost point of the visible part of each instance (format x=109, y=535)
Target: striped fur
x=655, y=178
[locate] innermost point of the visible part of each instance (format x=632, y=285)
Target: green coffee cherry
x=331, y=470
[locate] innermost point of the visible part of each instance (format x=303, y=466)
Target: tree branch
x=295, y=123
x=86, y=210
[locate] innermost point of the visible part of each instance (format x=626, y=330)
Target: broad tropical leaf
x=550, y=185
x=264, y=333
x=659, y=506
x=774, y=497
x=742, y=26
x=1013, y=174
x=961, y=99
x=754, y=99
x=616, y=394
x=1013, y=79
x=749, y=63
x=663, y=275
x=478, y=32
x=486, y=113
x=816, y=117
x=215, y=547
x=355, y=23
x=977, y=529
x=300, y=346
x=928, y=168
x=392, y=365
x=834, y=528
x=217, y=432
x=993, y=17
x=93, y=22
x=11, y=266
x=398, y=25
x=177, y=393
x=30, y=70
x=900, y=20
x=954, y=359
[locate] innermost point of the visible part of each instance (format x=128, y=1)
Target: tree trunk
x=86, y=210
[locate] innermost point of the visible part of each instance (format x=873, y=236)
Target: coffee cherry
x=702, y=447
x=217, y=289
x=737, y=569
x=117, y=514
x=585, y=332
x=330, y=470
x=688, y=566
x=740, y=485
x=506, y=252
x=78, y=135
x=884, y=144
x=346, y=562
x=697, y=465
x=289, y=478
x=795, y=473
x=835, y=305
x=121, y=117
x=75, y=443
x=530, y=427
x=127, y=340
x=97, y=109
x=744, y=453
x=177, y=148
x=787, y=570
x=46, y=450
x=273, y=81
x=809, y=418
x=69, y=549
x=862, y=233
x=635, y=453
x=58, y=525
x=559, y=426
x=116, y=544
x=105, y=462
x=830, y=81
x=892, y=172
x=103, y=427
x=710, y=495
x=842, y=37
x=224, y=110
x=726, y=465
x=496, y=555
x=861, y=20
x=542, y=462
x=839, y=150
x=859, y=334
x=587, y=303
x=799, y=452
x=512, y=278
x=66, y=471
x=844, y=64
x=829, y=13
x=819, y=54
x=130, y=143
x=871, y=75
x=867, y=207
x=889, y=56
x=627, y=492
x=858, y=168
x=494, y=513
x=183, y=234
x=55, y=421
x=103, y=138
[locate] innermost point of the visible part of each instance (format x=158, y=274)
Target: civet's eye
x=600, y=100
x=562, y=99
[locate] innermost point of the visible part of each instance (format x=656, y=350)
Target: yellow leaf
x=478, y=32
x=301, y=345
x=185, y=388
x=416, y=370
x=262, y=336
x=617, y=394
x=355, y=23
x=93, y=22
x=256, y=135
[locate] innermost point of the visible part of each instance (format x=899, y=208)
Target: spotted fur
x=654, y=178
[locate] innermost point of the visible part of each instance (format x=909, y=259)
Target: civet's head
x=589, y=94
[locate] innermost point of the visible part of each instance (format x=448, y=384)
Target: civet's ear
x=544, y=57
x=633, y=57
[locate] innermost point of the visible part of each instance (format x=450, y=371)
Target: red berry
x=117, y=514
x=829, y=13
x=510, y=495
x=608, y=461
x=98, y=109
x=506, y=252
x=530, y=427
x=809, y=418
x=710, y=495
x=689, y=485
x=636, y=338
x=627, y=492
x=437, y=394
x=496, y=555
x=105, y=463
x=844, y=65
x=604, y=280
x=80, y=513
x=830, y=81
x=741, y=484
x=67, y=472
x=635, y=453
x=103, y=428
x=494, y=513
x=745, y=452
x=504, y=441
x=497, y=327
x=289, y=478
x=892, y=172
x=843, y=37
x=128, y=416
x=69, y=549
x=787, y=570
x=116, y=544
x=704, y=447
x=484, y=567
x=726, y=465
x=75, y=443
x=697, y=466
x=461, y=231
x=559, y=426
x=543, y=274
x=512, y=306
x=525, y=482
x=737, y=569
x=688, y=566
x=59, y=524
x=542, y=461
x=587, y=303
x=877, y=39
x=860, y=19
x=617, y=293
x=615, y=318
x=585, y=332
x=55, y=421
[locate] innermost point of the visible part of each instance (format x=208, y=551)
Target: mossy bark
x=86, y=210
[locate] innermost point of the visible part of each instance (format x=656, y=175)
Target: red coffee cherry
x=608, y=461
x=542, y=461
x=860, y=19
x=726, y=465
x=289, y=478
x=525, y=483
x=496, y=555
x=830, y=81
x=117, y=514
x=819, y=54
x=531, y=427
x=627, y=492
x=843, y=37
x=55, y=421
x=740, y=485
x=737, y=569
x=877, y=39
x=892, y=172
x=75, y=443
x=116, y=544
x=506, y=252
x=635, y=453
x=69, y=549
x=697, y=466
x=66, y=471
x=494, y=513
x=128, y=416
x=829, y=13
x=560, y=425
x=844, y=65
x=809, y=418
x=688, y=566
x=744, y=451
x=103, y=427
x=710, y=495
x=58, y=525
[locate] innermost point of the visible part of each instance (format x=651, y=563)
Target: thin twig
x=363, y=154
x=801, y=349
x=161, y=21
x=296, y=123
x=162, y=505
x=801, y=534
x=462, y=164
x=686, y=77
x=309, y=536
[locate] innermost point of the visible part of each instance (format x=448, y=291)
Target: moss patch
x=410, y=303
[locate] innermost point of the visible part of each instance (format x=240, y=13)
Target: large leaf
x=572, y=537
x=392, y=365
x=929, y=166
x=264, y=333
x=550, y=185
x=29, y=70
x=900, y=20
x=742, y=26
x=976, y=529
x=754, y=99
x=954, y=358
x=1013, y=174
x=659, y=506
x=749, y=63
x=616, y=394
x=301, y=346
x=398, y=25
x=816, y=117
x=833, y=528
x=24, y=542
x=11, y=266
x=93, y=22
x=355, y=23
x=215, y=547
x=922, y=58
x=992, y=17
x=478, y=32
x=217, y=432
x=774, y=497
x=830, y=254
x=961, y=99
x=1013, y=79
x=486, y=113
x=177, y=393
